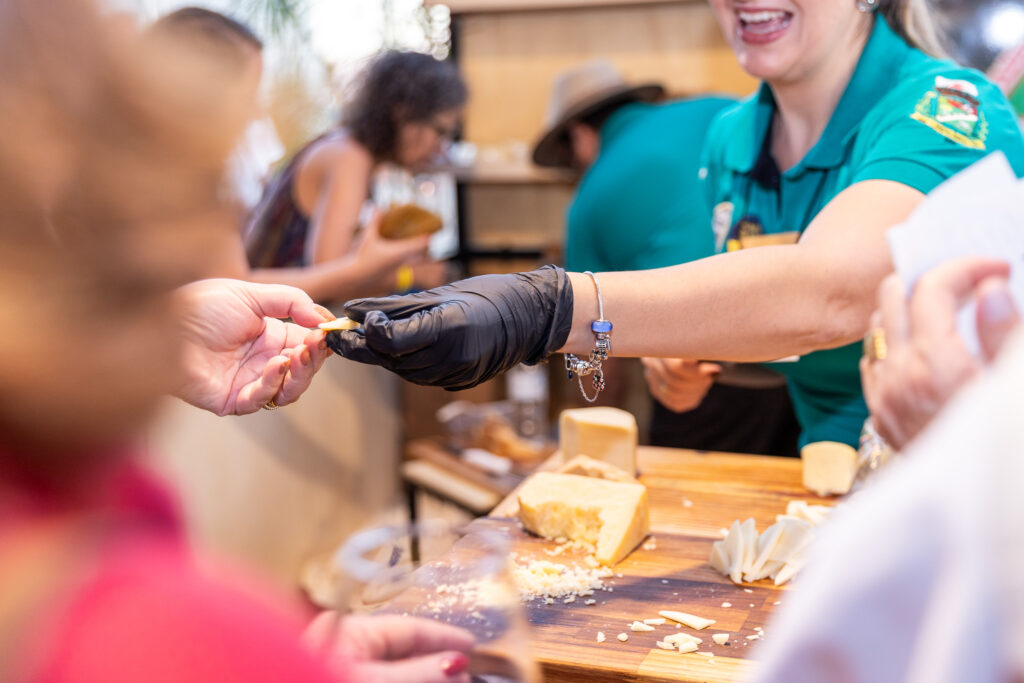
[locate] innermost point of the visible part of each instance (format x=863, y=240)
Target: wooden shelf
x=484, y=6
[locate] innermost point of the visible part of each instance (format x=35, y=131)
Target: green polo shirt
x=640, y=205
x=904, y=117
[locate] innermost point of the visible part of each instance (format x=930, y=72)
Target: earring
x=867, y=6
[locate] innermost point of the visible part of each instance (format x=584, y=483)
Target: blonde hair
x=914, y=21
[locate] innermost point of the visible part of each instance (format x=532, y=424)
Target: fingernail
x=997, y=306
x=455, y=665
x=304, y=357
x=284, y=367
x=322, y=345
x=327, y=315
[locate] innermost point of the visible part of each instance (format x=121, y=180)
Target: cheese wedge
x=612, y=516
x=829, y=467
x=606, y=434
x=585, y=466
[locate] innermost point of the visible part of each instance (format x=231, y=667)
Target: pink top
x=138, y=608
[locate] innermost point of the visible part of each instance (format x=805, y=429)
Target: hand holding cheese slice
x=612, y=516
x=339, y=325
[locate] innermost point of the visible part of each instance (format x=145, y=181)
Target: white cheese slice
x=610, y=515
x=677, y=638
x=665, y=646
x=829, y=468
x=654, y=622
x=640, y=626
x=694, y=622
x=688, y=647
x=606, y=434
x=814, y=514
x=720, y=638
x=340, y=324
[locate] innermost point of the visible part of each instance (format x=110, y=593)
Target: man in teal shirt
x=639, y=205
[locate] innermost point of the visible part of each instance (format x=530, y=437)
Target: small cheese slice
x=606, y=434
x=600, y=636
x=687, y=647
x=586, y=466
x=612, y=516
x=720, y=638
x=694, y=622
x=829, y=467
x=640, y=626
x=813, y=514
x=340, y=324
x=677, y=638
x=665, y=646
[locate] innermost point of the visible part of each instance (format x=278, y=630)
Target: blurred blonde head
x=109, y=178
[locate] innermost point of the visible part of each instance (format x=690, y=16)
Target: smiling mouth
x=763, y=25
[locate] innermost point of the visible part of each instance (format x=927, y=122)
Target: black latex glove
x=465, y=333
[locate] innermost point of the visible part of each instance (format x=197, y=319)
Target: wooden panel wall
x=509, y=58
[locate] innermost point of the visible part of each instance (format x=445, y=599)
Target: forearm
x=753, y=305
x=337, y=280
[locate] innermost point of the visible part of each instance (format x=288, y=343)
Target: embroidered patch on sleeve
x=952, y=110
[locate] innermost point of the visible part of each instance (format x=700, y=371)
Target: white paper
x=978, y=212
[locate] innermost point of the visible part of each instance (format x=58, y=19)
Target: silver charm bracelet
x=578, y=367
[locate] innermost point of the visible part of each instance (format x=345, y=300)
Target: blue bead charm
x=601, y=327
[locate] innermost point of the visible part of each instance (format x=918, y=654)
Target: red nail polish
x=455, y=665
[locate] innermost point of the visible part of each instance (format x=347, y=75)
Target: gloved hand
x=465, y=333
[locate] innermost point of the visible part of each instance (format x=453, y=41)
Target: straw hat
x=577, y=93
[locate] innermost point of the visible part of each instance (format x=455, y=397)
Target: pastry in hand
x=408, y=220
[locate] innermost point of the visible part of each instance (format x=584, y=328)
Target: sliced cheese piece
x=612, y=516
x=677, y=638
x=814, y=514
x=687, y=647
x=606, y=434
x=586, y=466
x=766, y=543
x=829, y=467
x=720, y=638
x=665, y=646
x=340, y=324
x=640, y=626
x=796, y=536
x=719, y=560
x=694, y=622
x=654, y=622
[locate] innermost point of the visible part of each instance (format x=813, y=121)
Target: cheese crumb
x=694, y=622
x=590, y=602
x=687, y=503
x=726, y=604
x=747, y=590
x=654, y=622
x=753, y=637
x=600, y=636
x=549, y=580
x=623, y=637
x=720, y=638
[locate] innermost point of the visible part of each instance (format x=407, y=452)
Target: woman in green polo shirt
x=855, y=122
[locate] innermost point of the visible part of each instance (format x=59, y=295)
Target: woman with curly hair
x=406, y=106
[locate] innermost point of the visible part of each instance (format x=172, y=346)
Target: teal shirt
x=904, y=117
x=640, y=205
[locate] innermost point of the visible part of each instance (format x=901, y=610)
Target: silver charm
x=867, y=6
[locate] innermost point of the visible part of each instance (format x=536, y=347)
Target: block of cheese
x=829, y=467
x=586, y=466
x=612, y=516
x=606, y=434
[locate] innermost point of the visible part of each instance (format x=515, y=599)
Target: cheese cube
x=606, y=434
x=829, y=467
x=612, y=516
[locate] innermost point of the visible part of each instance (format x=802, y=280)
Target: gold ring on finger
x=875, y=347
x=270, y=405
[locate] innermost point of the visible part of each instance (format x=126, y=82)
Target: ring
x=270, y=405
x=875, y=347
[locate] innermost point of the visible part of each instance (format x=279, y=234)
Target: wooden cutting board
x=693, y=496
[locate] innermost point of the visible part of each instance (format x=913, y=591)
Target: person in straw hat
x=638, y=205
